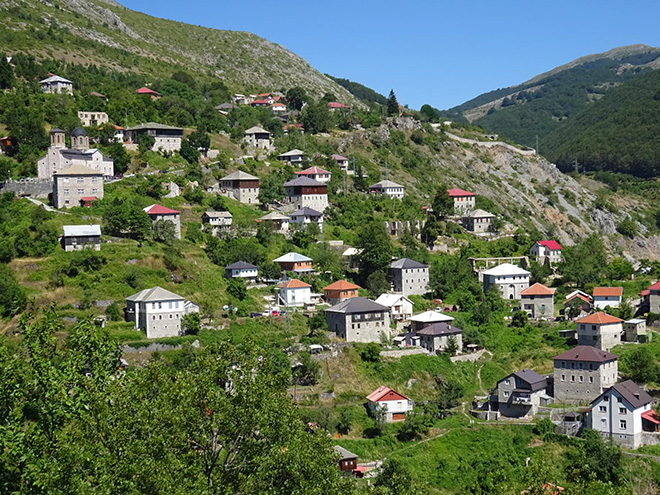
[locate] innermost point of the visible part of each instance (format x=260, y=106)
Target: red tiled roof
x=264, y=94
x=259, y=102
x=600, y=318
x=294, y=283
x=645, y=293
x=88, y=198
x=608, y=291
x=336, y=104
x=313, y=171
x=341, y=285
x=651, y=416
x=551, y=245
x=146, y=91
x=538, y=290
x=456, y=192
x=655, y=286
x=384, y=393
x=161, y=210
x=585, y=299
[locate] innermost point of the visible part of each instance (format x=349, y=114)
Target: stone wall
x=33, y=187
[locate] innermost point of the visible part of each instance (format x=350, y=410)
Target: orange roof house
x=608, y=296
x=600, y=330
x=392, y=403
x=538, y=301
x=340, y=291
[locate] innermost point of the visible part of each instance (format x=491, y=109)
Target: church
x=59, y=157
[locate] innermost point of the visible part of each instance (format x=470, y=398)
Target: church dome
x=78, y=131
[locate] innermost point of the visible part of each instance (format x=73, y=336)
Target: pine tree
x=392, y=104
x=6, y=73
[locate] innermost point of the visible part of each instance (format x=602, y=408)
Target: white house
x=89, y=119
x=156, y=311
x=317, y=173
x=258, y=137
x=59, y=157
x=279, y=221
x=293, y=157
x=546, y=252
x=217, y=220
x=423, y=320
x=388, y=188
x=306, y=216
x=56, y=85
x=79, y=237
x=242, y=269
x=608, y=296
x=303, y=191
x=464, y=201
x=409, y=277
x=158, y=212
x=620, y=412
x=190, y=307
x=166, y=137
x=401, y=308
x=509, y=279
x=294, y=292
x=393, y=404
x=342, y=161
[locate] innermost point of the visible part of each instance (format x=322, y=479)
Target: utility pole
x=577, y=166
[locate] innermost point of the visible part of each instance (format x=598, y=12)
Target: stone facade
x=582, y=374
x=599, y=330
x=307, y=193
x=79, y=237
x=158, y=212
x=519, y=394
x=510, y=280
x=409, y=277
x=59, y=157
x=70, y=186
x=156, y=311
x=89, y=119
x=167, y=138
x=478, y=221
x=359, y=322
x=258, y=138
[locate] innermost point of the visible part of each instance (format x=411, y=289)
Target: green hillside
x=360, y=91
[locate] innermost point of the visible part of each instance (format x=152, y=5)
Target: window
x=563, y=378
x=581, y=379
x=507, y=381
x=622, y=424
x=506, y=393
x=66, y=191
x=572, y=378
x=591, y=379
x=606, y=398
x=602, y=408
x=81, y=191
x=80, y=180
x=623, y=410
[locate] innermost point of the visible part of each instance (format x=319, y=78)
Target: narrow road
x=490, y=144
x=45, y=206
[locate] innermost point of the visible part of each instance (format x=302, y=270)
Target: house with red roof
x=147, y=91
x=608, y=296
x=294, y=292
x=158, y=212
x=464, y=201
x=260, y=103
x=652, y=297
x=339, y=291
x=600, y=330
x=546, y=252
x=580, y=300
x=317, y=173
x=392, y=403
x=278, y=107
x=538, y=301
x=335, y=105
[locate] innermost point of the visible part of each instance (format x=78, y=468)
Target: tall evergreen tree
x=6, y=73
x=392, y=104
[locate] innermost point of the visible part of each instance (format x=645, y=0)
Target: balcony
x=522, y=398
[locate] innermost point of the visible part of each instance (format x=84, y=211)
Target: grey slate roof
x=257, y=130
x=81, y=230
x=153, y=125
x=218, y=214
x=239, y=175
x=303, y=181
x=535, y=381
x=439, y=329
x=79, y=131
x=633, y=393
x=357, y=305
x=241, y=265
x=154, y=294
x=407, y=264
x=343, y=453
x=307, y=212
x=586, y=353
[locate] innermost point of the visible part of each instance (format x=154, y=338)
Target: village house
x=581, y=301
x=316, y=173
x=350, y=257
x=293, y=157
x=538, y=301
x=340, y=291
x=477, y=221
x=388, y=188
x=154, y=95
x=347, y=459
x=427, y=318
x=167, y=137
x=240, y=99
x=59, y=157
x=294, y=293
x=401, y=308
x=341, y=161
x=56, y=85
x=520, y=394
x=510, y=280
x=464, y=201
x=619, y=414
x=582, y=374
x=335, y=105
x=435, y=338
x=307, y=216
x=653, y=298
x=158, y=212
x=393, y=404
x=599, y=330
x=224, y=108
x=607, y=296
x=79, y=237
x=260, y=103
x=258, y=137
x=243, y=270
x=294, y=262
x=76, y=186
x=546, y=252
x=217, y=221
x=89, y=119
x=305, y=192
x=190, y=307
x=278, y=107
x=240, y=186
x=279, y=222
x=156, y=311
x=409, y=277
x=359, y=319
x=634, y=330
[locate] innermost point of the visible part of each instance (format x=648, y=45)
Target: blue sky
x=437, y=52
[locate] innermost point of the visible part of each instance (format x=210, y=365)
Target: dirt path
x=481, y=385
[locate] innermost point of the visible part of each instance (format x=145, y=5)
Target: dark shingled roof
x=79, y=131
x=586, y=353
x=631, y=392
x=240, y=265
x=438, y=329
x=343, y=453
x=532, y=378
x=356, y=305
x=303, y=181
x=407, y=264
x=308, y=212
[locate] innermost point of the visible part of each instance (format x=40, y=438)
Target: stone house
x=156, y=311
x=279, y=221
x=167, y=137
x=619, y=414
x=510, y=280
x=546, y=252
x=243, y=270
x=158, y=212
x=477, y=221
x=56, y=85
x=294, y=293
x=401, y=308
x=340, y=291
x=607, y=296
x=293, y=157
x=217, y=221
x=583, y=301
x=359, y=319
x=520, y=394
x=317, y=173
x=409, y=277
x=342, y=161
x=305, y=192
x=582, y=373
x=258, y=137
x=394, y=405
x=427, y=318
x=295, y=262
x=240, y=186
x=435, y=338
x=599, y=330
x=89, y=119
x=307, y=216
x=76, y=186
x=634, y=329
x=388, y=188
x=464, y=201
x=654, y=298
x=538, y=301
x=79, y=237
x=59, y=157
